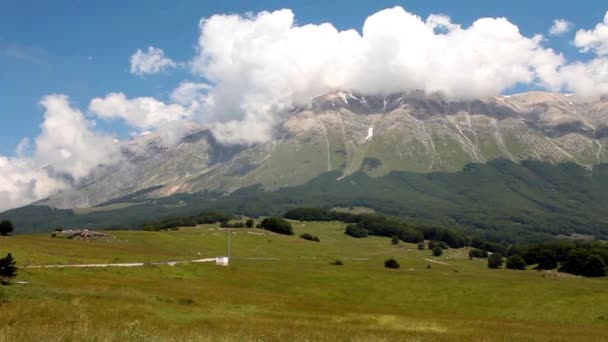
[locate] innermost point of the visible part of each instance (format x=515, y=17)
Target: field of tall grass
x=288, y=292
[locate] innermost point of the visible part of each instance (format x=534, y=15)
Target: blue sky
x=82, y=48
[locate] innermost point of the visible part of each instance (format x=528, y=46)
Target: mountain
x=350, y=132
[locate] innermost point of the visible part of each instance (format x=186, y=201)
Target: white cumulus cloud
x=140, y=112
x=151, y=62
x=66, y=151
x=262, y=64
x=560, y=26
x=595, y=40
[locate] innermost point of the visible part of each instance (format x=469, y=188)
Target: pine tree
x=7, y=269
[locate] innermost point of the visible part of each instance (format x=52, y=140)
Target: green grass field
x=297, y=297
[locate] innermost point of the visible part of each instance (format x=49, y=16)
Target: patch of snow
x=569, y=94
x=343, y=96
x=370, y=133
x=384, y=106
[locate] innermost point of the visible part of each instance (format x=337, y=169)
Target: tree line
x=362, y=225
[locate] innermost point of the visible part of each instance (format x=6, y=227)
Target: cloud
x=595, y=40
x=188, y=92
x=65, y=152
x=260, y=65
x=589, y=78
x=560, y=27
x=151, y=62
x=141, y=112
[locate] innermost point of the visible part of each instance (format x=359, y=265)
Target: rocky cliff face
x=350, y=132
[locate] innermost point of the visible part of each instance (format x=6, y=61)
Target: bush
x=7, y=269
x=391, y=263
x=516, y=262
x=435, y=243
x=477, y=253
x=421, y=246
x=495, y=260
x=249, y=223
x=338, y=262
x=309, y=237
x=277, y=225
x=355, y=231
x=395, y=240
x=437, y=251
x=6, y=227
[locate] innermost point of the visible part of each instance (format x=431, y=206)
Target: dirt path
x=438, y=262
x=130, y=264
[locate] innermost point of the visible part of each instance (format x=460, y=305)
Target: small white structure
x=222, y=261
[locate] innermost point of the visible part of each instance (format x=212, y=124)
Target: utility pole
x=229, y=236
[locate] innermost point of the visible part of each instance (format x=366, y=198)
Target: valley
x=290, y=291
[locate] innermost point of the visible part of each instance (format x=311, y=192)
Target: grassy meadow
x=281, y=288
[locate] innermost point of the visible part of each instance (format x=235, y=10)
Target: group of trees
x=188, y=221
x=277, y=225
x=249, y=223
x=369, y=224
x=586, y=258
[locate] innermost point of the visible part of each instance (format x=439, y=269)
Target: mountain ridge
x=351, y=132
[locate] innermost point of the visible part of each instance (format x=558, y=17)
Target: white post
x=229, y=236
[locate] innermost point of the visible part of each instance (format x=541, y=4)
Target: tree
x=355, y=231
x=421, y=245
x=6, y=227
x=395, y=240
x=7, y=269
x=391, y=263
x=277, y=225
x=249, y=223
x=547, y=259
x=437, y=251
x=516, y=262
x=495, y=260
x=575, y=262
x=594, y=266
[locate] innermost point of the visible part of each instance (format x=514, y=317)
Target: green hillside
x=500, y=200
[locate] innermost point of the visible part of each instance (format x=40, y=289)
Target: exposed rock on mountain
x=349, y=132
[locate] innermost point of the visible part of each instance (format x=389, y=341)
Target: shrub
x=7, y=269
x=309, y=237
x=437, y=251
x=355, y=231
x=277, y=225
x=395, y=240
x=477, y=253
x=391, y=263
x=495, y=260
x=516, y=262
x=421, y=245
x=249, y=223
x=337, y=262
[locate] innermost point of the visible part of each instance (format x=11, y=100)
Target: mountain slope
x=351, y=132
